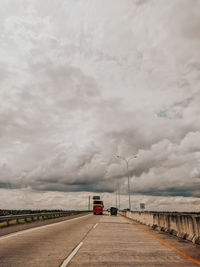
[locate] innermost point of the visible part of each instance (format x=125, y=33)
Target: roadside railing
x=183, y=225
x=27, y=218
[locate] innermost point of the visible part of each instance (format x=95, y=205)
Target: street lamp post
x=89, y=203
x=117, y=197
x=127, y=162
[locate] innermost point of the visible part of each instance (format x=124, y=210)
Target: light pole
x=89, y=203
x=117, y=195
x=127, y=162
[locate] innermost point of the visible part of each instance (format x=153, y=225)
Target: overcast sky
x=84, y=80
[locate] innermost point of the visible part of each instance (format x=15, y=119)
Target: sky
x=84, y=81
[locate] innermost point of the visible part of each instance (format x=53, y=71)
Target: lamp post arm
x=126, y=160
x=122, y=158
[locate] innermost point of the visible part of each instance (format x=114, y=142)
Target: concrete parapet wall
x=186, y=226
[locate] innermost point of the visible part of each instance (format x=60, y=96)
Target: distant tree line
x=19, y=212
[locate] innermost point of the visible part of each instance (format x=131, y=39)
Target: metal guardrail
x=24, y=218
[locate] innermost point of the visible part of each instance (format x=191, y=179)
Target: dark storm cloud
x=174, y=190
x=96, y=185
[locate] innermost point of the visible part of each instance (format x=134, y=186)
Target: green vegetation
x=3, y=224
x=12, y=222
x=4, y=212
x=21, y=221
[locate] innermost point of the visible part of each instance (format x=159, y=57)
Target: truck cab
x=98, y=207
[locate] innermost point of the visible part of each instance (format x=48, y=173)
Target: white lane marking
x=68, y=259
x=95, y=225
x=40, y=227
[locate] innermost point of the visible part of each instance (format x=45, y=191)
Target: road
x=100, y=241
x=44, y=246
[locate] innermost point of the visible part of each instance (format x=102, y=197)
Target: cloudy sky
x=82, y=81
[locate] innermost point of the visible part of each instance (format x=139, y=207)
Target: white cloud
x=82, y=82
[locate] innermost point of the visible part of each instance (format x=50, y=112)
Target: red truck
x=98, y=207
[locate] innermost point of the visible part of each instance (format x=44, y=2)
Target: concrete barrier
x=185, y=226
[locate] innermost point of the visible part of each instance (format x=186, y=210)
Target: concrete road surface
x=46, y=246
x=95, y=241
x=115, y=242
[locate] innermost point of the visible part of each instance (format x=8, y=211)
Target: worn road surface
x=117, y=241
x=100, y=241
x=45, y=246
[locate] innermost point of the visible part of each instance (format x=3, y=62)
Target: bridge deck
x=106, y=241
x=115, y=242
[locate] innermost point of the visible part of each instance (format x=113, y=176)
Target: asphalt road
x=95, y=241
x=45, y=246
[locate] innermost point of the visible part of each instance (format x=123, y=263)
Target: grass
x=21, y=221
x=12, y=222
x=28, y=220
x=3, y=224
